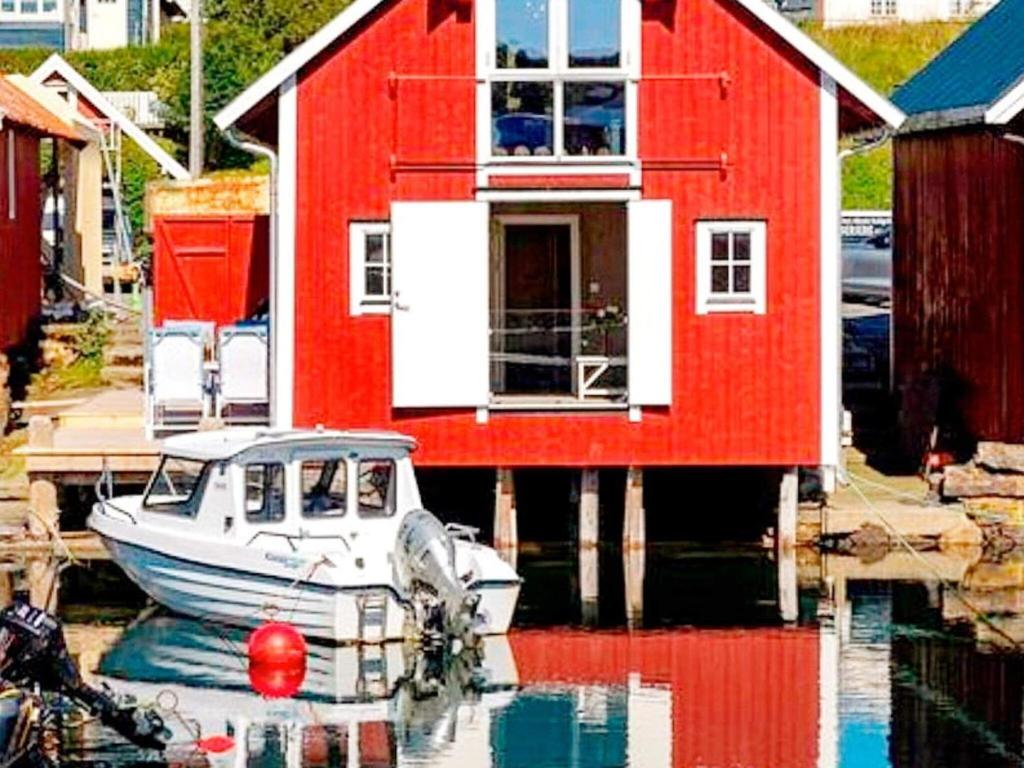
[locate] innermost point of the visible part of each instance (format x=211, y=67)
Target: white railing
x=545, y=352
x=141, y=107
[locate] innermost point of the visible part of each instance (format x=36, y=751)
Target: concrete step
x=101, y=421
x=15, y=489
x=13, y=513
x=124, y=354
x=123, y=375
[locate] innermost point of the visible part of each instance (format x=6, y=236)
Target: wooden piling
x=634, y=545
x=44, y=514
x=506, y=527
x=785, y=545
x=589, y=537
x=634, y=528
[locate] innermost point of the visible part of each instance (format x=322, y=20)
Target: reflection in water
x=876, y=675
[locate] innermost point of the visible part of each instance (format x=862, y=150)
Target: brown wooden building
x=958, y=257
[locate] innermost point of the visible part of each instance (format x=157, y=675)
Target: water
x=895, y=671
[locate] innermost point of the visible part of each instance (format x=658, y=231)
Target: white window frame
x=361, y=303
x=558, y=73
x=755, y=302
x=12, y=177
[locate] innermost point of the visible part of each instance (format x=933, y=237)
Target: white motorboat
x=322, y=529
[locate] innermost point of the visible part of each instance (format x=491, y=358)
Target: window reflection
x=521, y=115
x=595, y=119
x=595, y=33
x=522, y=34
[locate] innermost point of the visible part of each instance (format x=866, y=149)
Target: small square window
x=30, y=6
x=376, y=488
x=731, y=258
x=264, y=493
x=324, y=488
x=7, y=6
x=370, y=261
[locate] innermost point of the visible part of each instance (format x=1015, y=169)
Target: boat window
x=264, y=493
x=324, y=488
x=174, y=486
x=376, y=488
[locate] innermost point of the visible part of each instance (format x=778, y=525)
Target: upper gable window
x=559, y=84
x=522, y=39
x=595, y=33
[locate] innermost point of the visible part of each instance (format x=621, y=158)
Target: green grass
x=885, y=56
x=12, y=466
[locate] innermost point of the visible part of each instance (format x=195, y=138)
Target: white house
x=840, y=12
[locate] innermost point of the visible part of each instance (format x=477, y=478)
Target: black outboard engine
x=33, y=652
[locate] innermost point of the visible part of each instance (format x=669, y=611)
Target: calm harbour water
x=894, y=672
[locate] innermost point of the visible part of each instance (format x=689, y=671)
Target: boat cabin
x=284, y=488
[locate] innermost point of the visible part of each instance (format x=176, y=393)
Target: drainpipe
x=261, y=150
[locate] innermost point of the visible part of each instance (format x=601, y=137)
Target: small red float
x=277, y=644
x=277, y=660
x=215, y=745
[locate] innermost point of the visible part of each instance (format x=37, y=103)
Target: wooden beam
x=634, y=546
x=506, y=525
x=785, y=545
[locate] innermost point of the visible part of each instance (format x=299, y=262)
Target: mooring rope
x=902, y=541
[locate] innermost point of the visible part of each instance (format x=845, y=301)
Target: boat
x=319, y=528
x=382, y=705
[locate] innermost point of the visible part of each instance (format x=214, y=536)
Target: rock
x=966, y=481
x=1000, y=457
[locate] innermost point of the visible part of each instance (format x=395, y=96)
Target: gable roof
x=18, y=106
x=344, y=21
x=57, y=66
x=979, y=78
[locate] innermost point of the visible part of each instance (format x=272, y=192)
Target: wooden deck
x=75, y=445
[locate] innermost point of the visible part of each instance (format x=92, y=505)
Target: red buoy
x=277, y=644
x=216, y=744
x=277, y=660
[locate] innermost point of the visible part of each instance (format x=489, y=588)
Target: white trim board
x=282, y=291
x=347, y=19
x=55, y=65
x=1008, y=106
x=831, y=272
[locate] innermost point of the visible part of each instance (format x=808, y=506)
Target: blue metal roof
x=975, y=70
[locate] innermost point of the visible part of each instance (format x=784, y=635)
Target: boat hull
x=246, y=599
x=333, y=614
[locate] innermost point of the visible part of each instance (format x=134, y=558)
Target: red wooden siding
x=958, y=272
x=209, y=268
x=20, y=270
x=746, y=388
x=743, y=698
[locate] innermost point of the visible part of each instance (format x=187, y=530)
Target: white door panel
x=650, y=303
x=439, y=323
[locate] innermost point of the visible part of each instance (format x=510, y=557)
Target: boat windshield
x=174, y=485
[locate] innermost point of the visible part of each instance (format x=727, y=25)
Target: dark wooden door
x=538, y=305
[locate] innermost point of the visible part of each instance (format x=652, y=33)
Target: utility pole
x=196, y=122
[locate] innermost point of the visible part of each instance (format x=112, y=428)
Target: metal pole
x=196, y=125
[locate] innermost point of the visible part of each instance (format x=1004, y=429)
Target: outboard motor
x=425, y=556
x=33, y=653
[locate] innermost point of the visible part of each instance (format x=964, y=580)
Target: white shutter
x=650, y=302
x=439, y=322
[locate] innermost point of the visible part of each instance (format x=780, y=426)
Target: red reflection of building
x=739, y=697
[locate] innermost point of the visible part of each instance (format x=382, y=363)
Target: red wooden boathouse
x=24, y=120
x=561, y=233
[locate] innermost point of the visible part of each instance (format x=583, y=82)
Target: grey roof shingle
x=975, y=70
